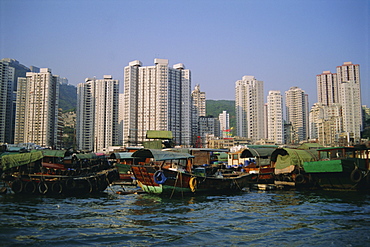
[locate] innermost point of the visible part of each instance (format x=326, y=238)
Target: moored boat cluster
x=175, y=171
x=56, y=172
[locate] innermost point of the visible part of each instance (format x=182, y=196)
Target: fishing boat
x=254, y=160
x=343, y=168
x=56, y=172
x=288, y=164
x=172, y=173
x=123, y=161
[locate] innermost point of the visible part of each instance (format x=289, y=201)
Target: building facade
x=157, y=98
x=348, y=76
x=275, y=122
x=224, y=118
x=37, y=110
x=10, y=71
x=327, y=88
x=97, y=114
x=337, y=117
x=249, y=108
x=296, y=103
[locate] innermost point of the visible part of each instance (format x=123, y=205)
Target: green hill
x=215, y=107
x=67, y=97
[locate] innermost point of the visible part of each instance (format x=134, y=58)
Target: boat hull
x=176, y=182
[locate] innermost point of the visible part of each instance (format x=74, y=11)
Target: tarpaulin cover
x=14, y=160
x=158, y=154
x=53, y=153
x=287, y=158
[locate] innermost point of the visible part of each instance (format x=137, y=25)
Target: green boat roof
x=285, y=157
x=122, y=155
x=53, y=153
x=257, y=152
x=362, y=147
x=86, y=156
x=14, y=160
x=160, y=155
x=159, y=134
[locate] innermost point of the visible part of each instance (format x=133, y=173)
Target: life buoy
x=30, y=187
x=57, y=187
x=43, y=188
x=70, y=183
x=193, y=184
x=299, y=179
x=17, y=186
x=89, y=186
x=159, y=177
x=356, y=175
x=112, y=176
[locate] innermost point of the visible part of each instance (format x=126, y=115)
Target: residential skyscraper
x=224, y=119
x=97, y=114
x=350, y=98
x=199, y=101
x=37, y=109
x=275, y=122
x=327, y=88
x=10, y=71
x=157, y=98
x=249, y=107
x=296, y=103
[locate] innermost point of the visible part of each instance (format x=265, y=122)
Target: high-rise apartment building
x=10, y=71
x=199, y=101
x=224, y=119
x=97, y=114
x=327, y=88
x=348, y=76
x=249, y=107
x=296, y=103
x=37, y=109
x=275, y=122
x=337, y=118
x=198, y=110
x=157, y=98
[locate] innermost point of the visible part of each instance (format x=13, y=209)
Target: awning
x=122, y=155
x=257, y=152
x=158, y=154
x=53, y=153
x=14, y=160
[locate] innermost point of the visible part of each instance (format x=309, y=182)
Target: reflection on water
x=253, y=218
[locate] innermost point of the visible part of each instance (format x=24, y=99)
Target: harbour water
x=249, y=218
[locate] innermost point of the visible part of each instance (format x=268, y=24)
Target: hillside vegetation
x=67, y=97
x=215, y=107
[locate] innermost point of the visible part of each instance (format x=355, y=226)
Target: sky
x=283, y=43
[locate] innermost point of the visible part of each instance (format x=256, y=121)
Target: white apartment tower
x=224, y=119
x=275, y=129
x=327, y=88
x=10, y=71
x=249, y=106
x=37, y=109
x=297, y=113
x=348, y=76
x=157, y=98
x=97, y=114
x=199, y=101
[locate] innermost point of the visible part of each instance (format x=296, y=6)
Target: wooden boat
x=51, y=172
x=254, y=161
x=340, y=168
x=123, y=161
x=288, y=164
x=172, y=173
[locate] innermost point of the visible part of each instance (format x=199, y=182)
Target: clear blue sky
x=284, y=43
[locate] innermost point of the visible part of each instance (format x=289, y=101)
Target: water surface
x=250, y=218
